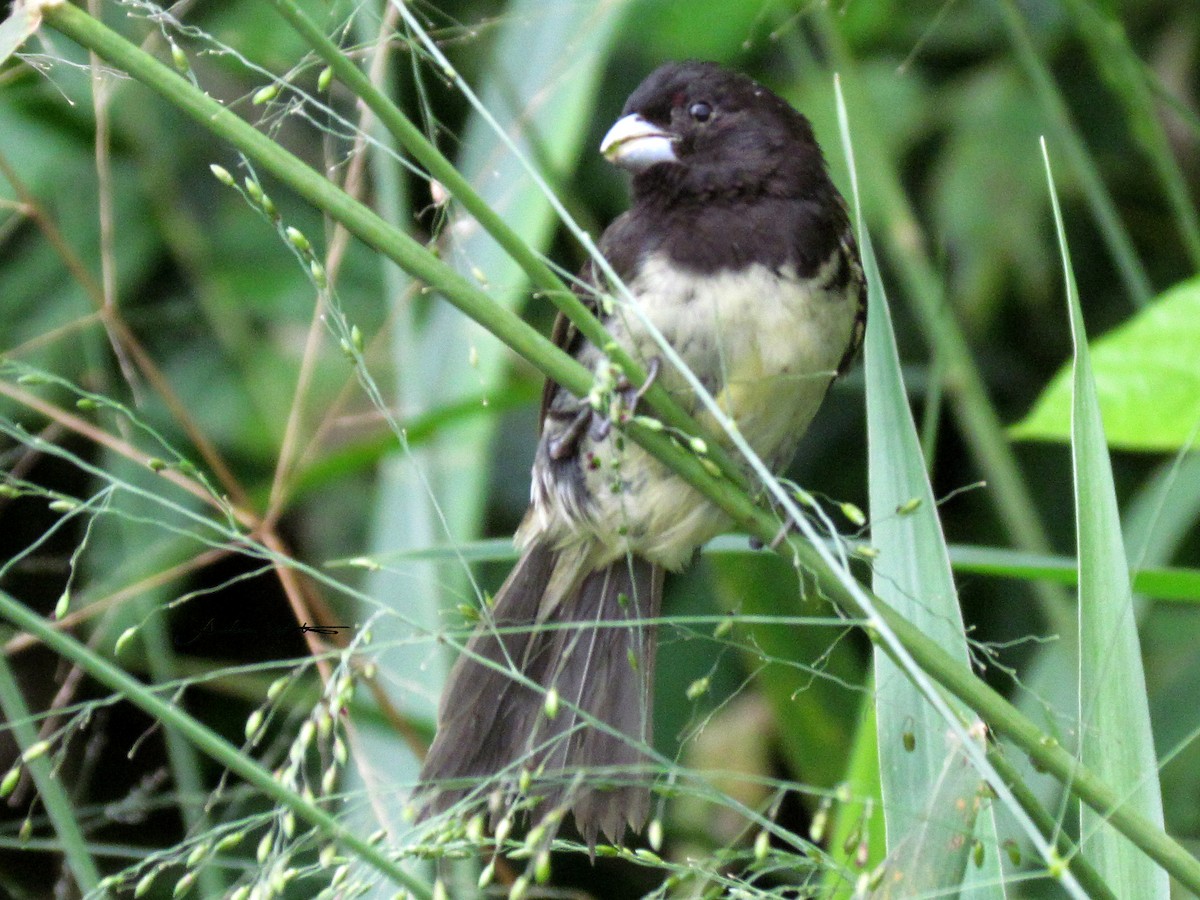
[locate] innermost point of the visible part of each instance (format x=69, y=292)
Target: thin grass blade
x=1115, y=739
x=912, y=574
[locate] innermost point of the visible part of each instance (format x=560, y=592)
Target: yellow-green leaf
x=1147, y=375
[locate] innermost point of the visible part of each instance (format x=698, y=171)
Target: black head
x=695, y=129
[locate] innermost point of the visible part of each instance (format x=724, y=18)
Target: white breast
x=765, y=342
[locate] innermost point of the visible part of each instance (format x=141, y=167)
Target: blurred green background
x=136, y=276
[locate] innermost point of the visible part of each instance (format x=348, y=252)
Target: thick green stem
x=1089, y=879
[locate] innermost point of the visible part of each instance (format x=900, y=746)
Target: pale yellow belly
x=763, y=343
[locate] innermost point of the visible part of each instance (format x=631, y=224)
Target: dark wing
x=857, y=283
x=566, y=336
x=846, y=276
x=623, y=244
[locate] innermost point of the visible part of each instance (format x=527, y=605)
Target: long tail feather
x=602, y=671
x=485, y=715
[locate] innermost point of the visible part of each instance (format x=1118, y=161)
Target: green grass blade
x=922, y=783
x=1115, y=739
x=913, y=575
x=924, y=290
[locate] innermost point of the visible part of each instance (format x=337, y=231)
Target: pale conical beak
x=636, y=143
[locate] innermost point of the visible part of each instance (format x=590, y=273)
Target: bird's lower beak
x=636, y=143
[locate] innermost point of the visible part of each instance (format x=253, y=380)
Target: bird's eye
x=700, y=111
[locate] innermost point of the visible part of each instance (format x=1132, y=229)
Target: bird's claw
x=567, y=443
x=626, y=399
x=651, y=376
x=598, y=425
x=787, y=528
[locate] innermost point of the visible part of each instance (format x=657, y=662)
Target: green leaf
x=1147, y=376
x=859, y=810
x=1115, y=739
x=912, y=574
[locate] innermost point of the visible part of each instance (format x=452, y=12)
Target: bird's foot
x=625, y=400
x=597, y=425
x=567, y=443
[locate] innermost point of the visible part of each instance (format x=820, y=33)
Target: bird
x=738, y=248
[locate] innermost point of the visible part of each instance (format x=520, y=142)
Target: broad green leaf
x=1147, y=375
x=912, y=574
x=1115, y=740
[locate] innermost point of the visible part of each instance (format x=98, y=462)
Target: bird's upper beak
x=636, y=143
